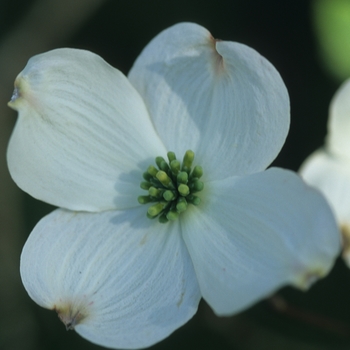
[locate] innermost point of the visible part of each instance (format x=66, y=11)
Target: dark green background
x=281, y=30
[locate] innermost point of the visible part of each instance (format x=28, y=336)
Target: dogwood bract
x=328, y=168
x=196, y=123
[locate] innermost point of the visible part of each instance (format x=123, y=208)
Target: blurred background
x=307, y=41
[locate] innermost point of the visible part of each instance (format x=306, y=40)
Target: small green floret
x=197, y=172
x=145, y=185
x=155, y=192
x=182, y=177
x=155, y=209
x=164, y=179
x=152, y=170
x=181, y=205
x=168, y=195
x=197, y=186
x=184, y=190
x=187, y=161
x=172, y=215
x=171, y=156
x=171, y=186
x=175, y=166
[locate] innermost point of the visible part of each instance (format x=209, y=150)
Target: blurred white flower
x=328, y=169
x=84, y=137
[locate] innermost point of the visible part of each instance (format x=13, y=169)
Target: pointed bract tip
x=218, y=60
x=308, y=278
x=17, y=93
x=70, y=316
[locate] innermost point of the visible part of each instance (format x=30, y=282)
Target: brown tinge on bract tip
x=69, y=316
x=218, y=60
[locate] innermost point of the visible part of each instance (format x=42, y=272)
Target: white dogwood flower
x=328, y=168
x=125, y=266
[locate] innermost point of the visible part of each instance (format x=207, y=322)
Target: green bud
x=193, y=199
x=197, y=172
x=183, y=190
x=171, y=156
x=147, y=176
x=145, y=185
x=163, y=219
x=182, y=178
x=155, y=209
x=172, y=215
x=181, y=205
x=152, y=170
x=162, y=165
x=168, y=195
x=155, y=192
x=159, y=161
x=144, y=199
x=164, y=179
x=188, y=160
x=197, y=186
x=175, y=166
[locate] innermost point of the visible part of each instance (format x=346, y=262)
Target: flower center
x=171, y=187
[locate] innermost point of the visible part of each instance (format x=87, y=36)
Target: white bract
x=84, y=137
x=328, y=168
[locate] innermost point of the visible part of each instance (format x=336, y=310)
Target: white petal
x=82, y=135
x=331, y=175
x=258, y=233
x=128, y=280
x=338, y=139
x=221, y=99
